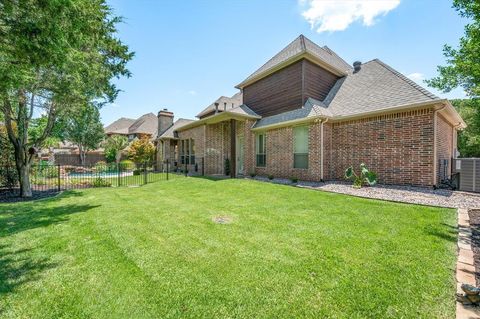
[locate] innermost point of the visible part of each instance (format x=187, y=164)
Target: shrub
x=227, y=166
x=136, y=172
x=252, y=174
x=294, y=180
x=270, y=177
x=101, y=182
x=101, y=167
x=127, y=164
x=365, y=177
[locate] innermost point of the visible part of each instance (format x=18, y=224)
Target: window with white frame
x=300, y=147
x=187, y=151
x=261, y=150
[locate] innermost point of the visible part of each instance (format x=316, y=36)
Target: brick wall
x=445, y=145
x=217, y=147
x=198, y=135
x=399, y=147
x=279, y=144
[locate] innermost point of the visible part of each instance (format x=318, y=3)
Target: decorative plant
x=141, y=150
x=227, y=166
x=252, y=174
x=270, y=177
x=364, y=177
x=294, y=180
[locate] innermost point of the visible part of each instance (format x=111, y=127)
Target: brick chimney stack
x=165, y=120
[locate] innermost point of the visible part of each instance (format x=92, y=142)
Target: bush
x=270, y=177
x=252, y=174
x=127, y=165
x=110, y=155
x=101, y=182
x=136, y=172
x=227, y=166
x=101, y=167
x=294, y=180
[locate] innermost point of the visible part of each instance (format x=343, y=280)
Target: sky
x=188, y=53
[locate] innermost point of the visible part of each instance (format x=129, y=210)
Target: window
x=261, y=150
x=300, y=147
x=187, y=151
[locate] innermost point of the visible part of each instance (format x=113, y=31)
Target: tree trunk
x=81, y=153
x=118, y=157
x=24, y=178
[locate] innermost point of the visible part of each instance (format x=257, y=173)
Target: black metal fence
x=45, y=177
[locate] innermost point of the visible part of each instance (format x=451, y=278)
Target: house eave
x=453, y=117
x=217, y=118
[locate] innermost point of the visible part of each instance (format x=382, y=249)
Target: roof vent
x=357, y=65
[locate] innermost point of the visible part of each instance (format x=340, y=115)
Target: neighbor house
x=308, y=114
x=145, y=126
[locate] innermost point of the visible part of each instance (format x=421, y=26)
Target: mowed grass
x=154, y=252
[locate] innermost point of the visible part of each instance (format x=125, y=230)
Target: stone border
x=465, y=264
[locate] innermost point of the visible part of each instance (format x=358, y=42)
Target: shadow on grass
x=17, y=267
x=447, y=232
x=212, y=178
x=17, y=218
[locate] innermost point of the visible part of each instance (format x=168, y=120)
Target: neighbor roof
x=170, y=132
x=376, y=87
x=297, y=48
x=145, y=124
x=231, y=102
x=120, y=126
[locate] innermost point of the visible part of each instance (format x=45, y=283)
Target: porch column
x=233, y=148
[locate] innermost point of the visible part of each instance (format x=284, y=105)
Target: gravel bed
x=404, y=194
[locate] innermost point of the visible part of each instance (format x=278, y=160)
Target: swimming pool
x=101, y=174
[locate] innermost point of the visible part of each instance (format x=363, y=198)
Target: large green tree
x=469, y=138
x=84, y=129
x=55, y=56
x=463, y=63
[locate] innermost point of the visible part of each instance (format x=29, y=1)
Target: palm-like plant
x=116, y=144
x=365, y=176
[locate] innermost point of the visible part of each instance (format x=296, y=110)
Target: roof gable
x=298, y=48
x=146, y=124
x=119, y=126
x=231, y=102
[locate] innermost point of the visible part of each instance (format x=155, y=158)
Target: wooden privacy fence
x=469, y=169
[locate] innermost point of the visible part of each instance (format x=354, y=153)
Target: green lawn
x=154, y=252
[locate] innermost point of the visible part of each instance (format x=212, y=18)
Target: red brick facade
x=399, y=147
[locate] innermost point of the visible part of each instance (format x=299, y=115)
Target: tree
x=463, y=64
x=469, y=138
x=85, y=130
x=115, y=145
x=55, y=56
x=141, y=150
x=38, y=125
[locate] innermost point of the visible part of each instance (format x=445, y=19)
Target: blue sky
x=188, y=53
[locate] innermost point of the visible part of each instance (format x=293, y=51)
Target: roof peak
x=294, y=51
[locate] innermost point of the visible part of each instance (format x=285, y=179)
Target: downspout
x=321, y=148
x=435, y=145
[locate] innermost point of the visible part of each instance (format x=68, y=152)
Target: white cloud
x=417, y=77
x=192, y=92
x=337, y=15
x=115, y=105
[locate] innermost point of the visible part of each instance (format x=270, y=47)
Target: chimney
x=224, y=106
x=216, y=107
x=357, y=65
x=165, y=120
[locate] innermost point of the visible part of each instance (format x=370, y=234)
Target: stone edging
x=465, y=264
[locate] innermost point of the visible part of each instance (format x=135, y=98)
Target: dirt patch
x=222, y=219
x=474, y=215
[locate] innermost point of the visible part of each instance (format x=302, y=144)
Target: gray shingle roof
x=312, y=108
x=232, y=102
x=375, y=87
x=170, y=132
x=297, y=47
x=120, y=126
x=145, y=124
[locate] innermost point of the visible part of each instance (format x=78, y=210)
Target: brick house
x=308, y=114
x=145, y=126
